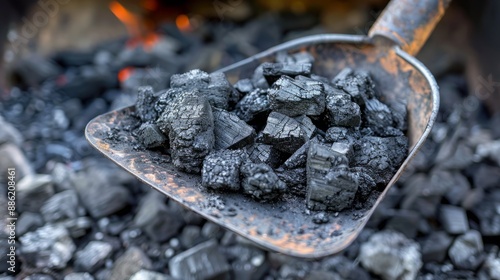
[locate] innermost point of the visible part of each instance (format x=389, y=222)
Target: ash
x=81, y=217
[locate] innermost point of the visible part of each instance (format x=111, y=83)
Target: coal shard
x=260, y=181
x=366, y=183
x=258, y=79
x=203, y=261
x=151, y=136
x=144, y=105
x=330, y=186
x=377, y=115
x=252, y=105
x=194, y=79
x=295, y=179
x=296, y=58
x=299, y=157
x=297, y=97
x=262, y=153
x=341, y=134
x=191, y=131
x=218, y=91
x=454, y=219
x=466, y=252
x=436, y=246
x=381, y=156
x=284, y=133
x=244, y=86
x=358, y=84
x=221, y=169
x=307, y=126
x=341, y=111
x=164, y=105
x=230, y=131
x=344, y=148
x=273, y=71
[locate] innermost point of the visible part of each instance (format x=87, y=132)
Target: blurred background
x=64, y=62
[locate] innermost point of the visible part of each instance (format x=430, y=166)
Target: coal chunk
x=50, y=246
x=218, y=91
x=145, y=104
x=33, y=191
x=273, y=71
x=381, y=156
x=436, y=246
x=307, y=126
x=284, y=133
x=466, y=252
x=28, y=222
x=295, y=179
x=330, y=186
x=258, y=79
x=358, y=84
x=262, y=153
x=297, y=97
x=366, y=184
x=221, y=169
x=406, y=222
x=191, y=131
x=62, y=206
x=244, y=86
x=341, y=134
x=230, y=131
x=253, y=105
x=194, y=79
x=163, y=106
x=299, y=157
x=92, y=256
x=151, y=136
x=377, y=115
x=454, y=219
x=203, y=261
x=341, y=111
x=131, y=262
x=391, y=255
x=260, y=181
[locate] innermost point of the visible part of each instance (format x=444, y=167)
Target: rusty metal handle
x=408, y=23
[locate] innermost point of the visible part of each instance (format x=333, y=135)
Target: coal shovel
x=287, y=226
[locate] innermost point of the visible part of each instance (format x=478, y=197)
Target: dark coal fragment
x=262, y=153
x=295, y=179
x=406, y=222
x=33, y=191
x=28, y=221
x=341, y=111
x=299, y=58
x=203, y=261
x=151, y=136
x=260, y=181
x=284, y=133
x=252, y=105
x=221, y=169
x=131, y=262
x=247, y=262
x=436, y=246
x=194, y=79
x=467, y=251
x=377, y=115
x=454, y=219
x=307, y=126
x=163, y=105
x=258, y=79
x=190, y=236
x=99, y=203
x=191, y=131
x=62, y=206
x=47, y=247
x=297, y=97
x=159, y=221
x=92, y=256
x=230, y=131
x=320, y=218
x=218, y=91
x=244, y=86
x=330, y=186
x=145, y=104
x=381, y=156
x=273, y=71
x=299, y=157
x=366, y=184
x=391, y=255
x=358, y=84
x=340, y=134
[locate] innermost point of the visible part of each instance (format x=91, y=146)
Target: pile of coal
x=284, y=129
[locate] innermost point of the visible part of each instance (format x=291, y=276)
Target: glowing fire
x=131, y=21
x=125, y=73
x=183, y=23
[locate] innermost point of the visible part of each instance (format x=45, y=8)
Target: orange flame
x=125, y=73
x=183, y=23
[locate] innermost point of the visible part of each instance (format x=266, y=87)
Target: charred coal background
x=80, y=217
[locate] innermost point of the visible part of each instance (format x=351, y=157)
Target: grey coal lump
x=252, y=105
x=342, y=111
x=273, y=71
x=221, y=169
x=145, y=104
x=260, y=181
x=284, y=133
x=297, y=97
x=230, y=131
x=191, y=131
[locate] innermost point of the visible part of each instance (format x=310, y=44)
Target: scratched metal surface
x=284, y=226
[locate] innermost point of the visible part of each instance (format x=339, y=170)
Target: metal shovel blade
x=286, y=226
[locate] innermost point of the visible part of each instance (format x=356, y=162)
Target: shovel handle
x=408, y=23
